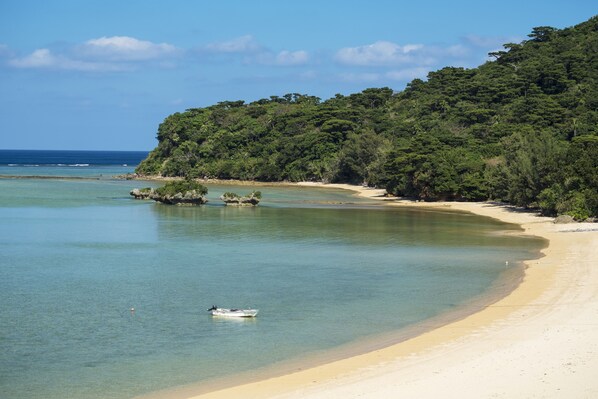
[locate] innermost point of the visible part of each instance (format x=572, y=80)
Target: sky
x=102, y=75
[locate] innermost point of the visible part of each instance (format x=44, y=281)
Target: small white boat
x=222, y=312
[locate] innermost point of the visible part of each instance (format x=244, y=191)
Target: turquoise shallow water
x=76, y=255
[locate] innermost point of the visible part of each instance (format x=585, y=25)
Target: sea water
x=104, y=296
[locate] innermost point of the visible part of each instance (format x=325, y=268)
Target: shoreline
x=505, y=284
x=529, y=343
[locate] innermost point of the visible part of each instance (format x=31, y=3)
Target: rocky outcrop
x=191, y=197
x=563, y=219
x=128, y=176
x=142, y=193
x=232, y=199
x=174, y=193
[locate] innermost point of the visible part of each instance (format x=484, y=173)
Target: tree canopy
x=522, y=128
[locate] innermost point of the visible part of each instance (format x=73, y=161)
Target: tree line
x=521, y=128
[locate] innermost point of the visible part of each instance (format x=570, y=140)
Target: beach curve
x=539, y=341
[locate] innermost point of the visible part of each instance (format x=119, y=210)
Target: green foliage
x=251, y=199
x=361, y=157
x=533, y=162
x=181, y=186
x=231, y=195
x=522, y=128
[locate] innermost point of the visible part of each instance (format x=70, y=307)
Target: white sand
x=541, y=341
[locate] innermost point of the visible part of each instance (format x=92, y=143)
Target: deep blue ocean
x=327, y=270
x=45, y=158
x=91, y=164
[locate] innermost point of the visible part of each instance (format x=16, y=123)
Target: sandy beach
x=541, y=341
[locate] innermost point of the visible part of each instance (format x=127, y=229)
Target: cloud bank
x=124, y=48
x=383, y=53
x=379, y=63
x=104, y=54
x=45, y=59
x=378, y=54
x=248, y=50
x=124, y=53
x=384, y=62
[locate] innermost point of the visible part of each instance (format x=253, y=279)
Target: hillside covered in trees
x=522, y=128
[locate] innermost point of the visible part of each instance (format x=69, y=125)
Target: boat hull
x=234, y=312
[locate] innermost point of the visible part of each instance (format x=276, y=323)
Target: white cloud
x=40, y=58
x=45, y=59
x=251, y=51
x=105, y=54
x=378, y=54
x=283, y=58
x=124, y=48
x=385, y=62
x=240, y=45
x=388, y=54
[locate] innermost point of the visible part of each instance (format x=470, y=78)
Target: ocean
x=88, y=164
x=328, y=271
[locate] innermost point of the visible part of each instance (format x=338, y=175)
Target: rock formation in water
x=232, y=199
x=142, y=193
x=185, y=192
x=191, y=197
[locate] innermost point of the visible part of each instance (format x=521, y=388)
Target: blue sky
x=102, y=75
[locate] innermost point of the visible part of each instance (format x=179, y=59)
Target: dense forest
x=521, y=128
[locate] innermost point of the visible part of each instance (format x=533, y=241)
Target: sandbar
x=540, y=341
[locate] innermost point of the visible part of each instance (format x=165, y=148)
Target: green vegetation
x=251, y=199
x=172, y=188
x=522, y=128
x=254, y=194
